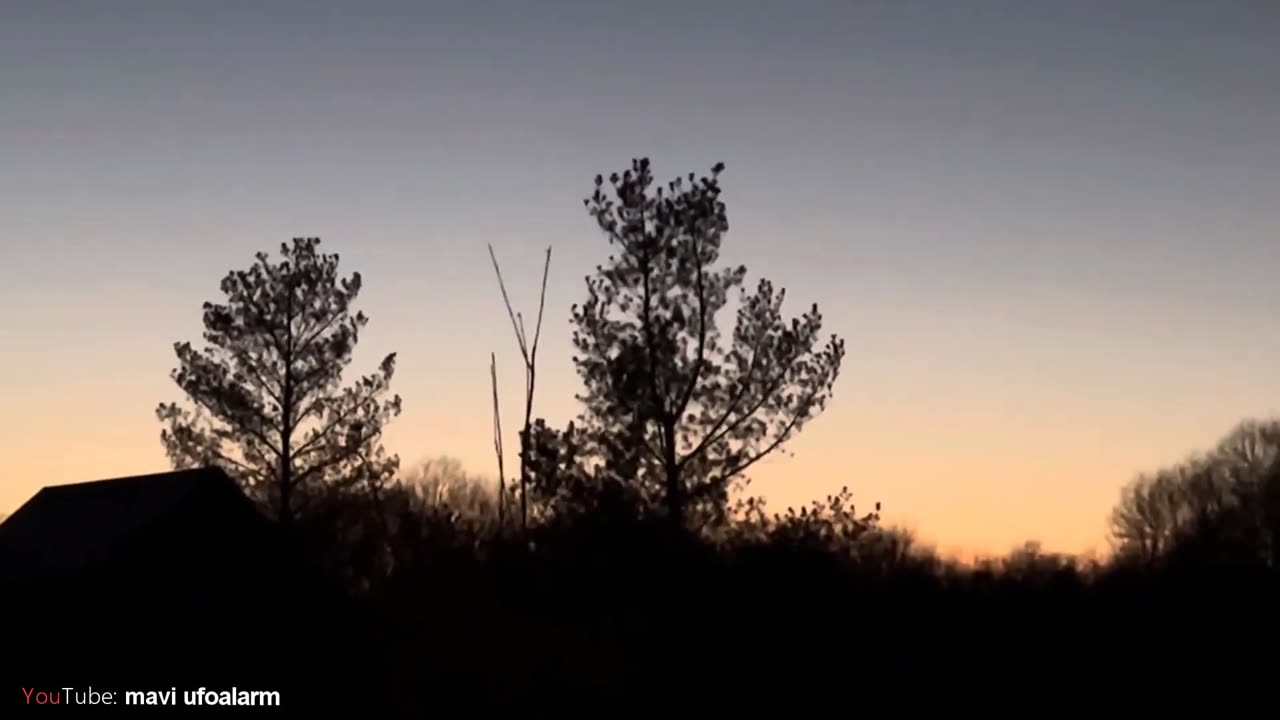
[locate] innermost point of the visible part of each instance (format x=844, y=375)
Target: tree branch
x=781, y=438
x=743, y=386
x=687, y=395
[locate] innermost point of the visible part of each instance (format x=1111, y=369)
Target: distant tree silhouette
x=559, y=479
x=671, y=408
x=1224, y=501
x=434, y=509
x=1029, y=567
x=1143, y=524
x=268, y=402
x=444, y=483
x=1250, y=456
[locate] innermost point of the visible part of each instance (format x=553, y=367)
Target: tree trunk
x=524, y=476
x=674, y=488
x=286, y=419
x=286, y=454
x=285, y=512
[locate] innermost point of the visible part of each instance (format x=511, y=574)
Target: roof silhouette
x=67, y=530
x=167, y=579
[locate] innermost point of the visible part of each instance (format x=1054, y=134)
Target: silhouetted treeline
x=627, y=565
x=610, y=603
x=1219, y=508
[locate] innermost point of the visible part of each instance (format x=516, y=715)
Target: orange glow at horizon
x=964, y=479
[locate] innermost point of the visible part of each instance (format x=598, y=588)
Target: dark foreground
x=615, y=631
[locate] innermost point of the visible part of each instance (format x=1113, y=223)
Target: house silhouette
x=169, y=579
x=132, y=528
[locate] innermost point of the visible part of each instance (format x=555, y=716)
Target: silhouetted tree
x=529, y=354
x=435, y=511
x=1251, y=448
x=670, y=406
x=268, y=402
x=1250, y=457
x=561, y=483
x=1223, y=503
x=1159, y=511
x=443, y=482
x=889, y=551
x=1143, y=524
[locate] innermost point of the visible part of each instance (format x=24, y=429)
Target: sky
x=1046, y=231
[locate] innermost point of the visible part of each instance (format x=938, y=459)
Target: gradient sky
x=1049, y=231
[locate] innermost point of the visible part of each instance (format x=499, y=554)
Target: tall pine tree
x=673, y=408
x=266, y=394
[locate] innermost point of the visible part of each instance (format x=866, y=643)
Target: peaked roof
x=66, y=528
